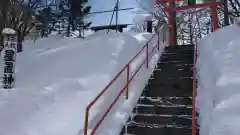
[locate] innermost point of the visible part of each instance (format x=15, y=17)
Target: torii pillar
x=172, y=15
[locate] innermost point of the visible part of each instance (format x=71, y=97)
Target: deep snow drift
x=218, y=92
x=57, y=77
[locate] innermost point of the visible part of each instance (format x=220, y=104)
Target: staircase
x=165, y=106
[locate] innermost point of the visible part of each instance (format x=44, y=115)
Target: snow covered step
x=171, y=78
x=175, y=57
x=179, y=51
x=164, y=110
x=153, y=129
x=163, y=66
x=174, y=68
x=183, y=45
x=173, y=54
x=167, y=60
x=178, y=48
x=171, y=81
x=170, y=120
x=165, y=100
x=172, y=73
x=176, y=62
x=168, y=91
x=166, y=64
x=171, y=70
x=164, y=105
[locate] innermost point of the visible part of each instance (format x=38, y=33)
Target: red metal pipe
x=163, y=32
x=166, y=1
x=128, y=75
x=150, y=54
x=170, y=28
x=106, y=88
x=158, y=41
x=194, y=94
x=106, y=113
x=118, y=96
x=147, y=55
x=186, y=7
x=136, y=55
x=214, y=16
x=172, y=5
x=95, y=100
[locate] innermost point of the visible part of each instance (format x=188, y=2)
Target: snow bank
x=57, y=78
x=119, y=114
x=218, y=82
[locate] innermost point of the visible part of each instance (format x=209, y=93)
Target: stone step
x=181, y=51
x=167, y=120
x=165, y=106
x=172, y=73
x=172, y=64
x=168, y=92
x=170, y=85
x=167, y=57
x=178, y=53
x=184, y=47
x=162, y=67
x=177, y=62
x=163, y=110
x=174, y=68
x=171, y=81
x=155, y=130
x=165, y=100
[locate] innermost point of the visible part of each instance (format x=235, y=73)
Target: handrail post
x=128, y=76
x=86, y=121
x=194, y=94
x=163, y=34
x=147, y=55
x=158, y=42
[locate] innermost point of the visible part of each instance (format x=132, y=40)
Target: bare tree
x=18, y=16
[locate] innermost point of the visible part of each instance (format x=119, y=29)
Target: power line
x=122, y=9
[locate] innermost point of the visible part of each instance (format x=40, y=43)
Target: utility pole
x=46, y=3
x=117, y=8
x=191, y=2
x=226, y=17
x=174, y=23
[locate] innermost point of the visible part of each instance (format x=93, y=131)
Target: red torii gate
x=172, y=5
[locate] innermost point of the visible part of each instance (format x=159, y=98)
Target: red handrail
x=125, y=88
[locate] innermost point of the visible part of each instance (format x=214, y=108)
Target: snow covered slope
x=57, y=77
x=218, y=82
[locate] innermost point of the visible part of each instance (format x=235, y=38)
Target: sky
x=125, y=17
x=104, y=18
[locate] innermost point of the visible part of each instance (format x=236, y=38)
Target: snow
x=8, y=31
x=218, y=82
x=57, y=77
